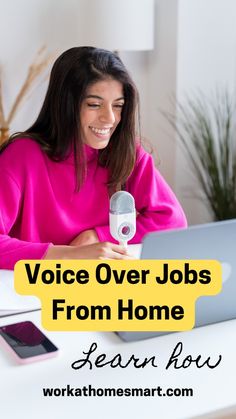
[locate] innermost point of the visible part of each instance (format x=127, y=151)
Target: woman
x=57, y=176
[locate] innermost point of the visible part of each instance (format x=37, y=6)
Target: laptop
x=207, y=241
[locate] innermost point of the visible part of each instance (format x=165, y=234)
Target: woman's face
x=101, y=112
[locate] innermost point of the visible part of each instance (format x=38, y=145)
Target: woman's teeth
x=104, y=131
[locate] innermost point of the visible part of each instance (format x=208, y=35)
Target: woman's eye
x=93, y=105
x=119, y=105
x=98, y=105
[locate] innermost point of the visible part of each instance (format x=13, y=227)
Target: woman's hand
x=105, y=250
x=85, y=238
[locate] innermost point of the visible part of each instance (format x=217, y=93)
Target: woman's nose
x=107, y=115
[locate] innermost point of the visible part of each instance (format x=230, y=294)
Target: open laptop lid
x=207, y=241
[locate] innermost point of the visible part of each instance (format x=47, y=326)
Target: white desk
x=21, y=386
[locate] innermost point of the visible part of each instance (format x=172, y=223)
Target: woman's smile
x=101, y=132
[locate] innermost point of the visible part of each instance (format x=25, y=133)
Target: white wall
x=162, y=86
x=206, y=58
x=26, y=25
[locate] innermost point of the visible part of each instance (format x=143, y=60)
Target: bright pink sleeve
x=103, y=233
x=155, y=202
x=11, y=249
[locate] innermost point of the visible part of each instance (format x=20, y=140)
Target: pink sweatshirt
x=39, y=205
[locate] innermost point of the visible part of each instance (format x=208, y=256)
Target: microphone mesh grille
x=121, y=203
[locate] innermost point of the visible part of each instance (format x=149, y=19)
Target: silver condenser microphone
x=122, y=217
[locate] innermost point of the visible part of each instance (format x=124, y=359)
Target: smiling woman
x=54, y=199
x=101, y=112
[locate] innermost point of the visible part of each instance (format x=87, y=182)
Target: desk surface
x=21, y=386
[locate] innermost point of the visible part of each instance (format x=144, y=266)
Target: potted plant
x=40, y=63
x=206, y=129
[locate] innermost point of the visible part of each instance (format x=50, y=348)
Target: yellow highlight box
x=110, y=295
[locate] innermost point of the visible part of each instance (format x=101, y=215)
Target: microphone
x=122, y=217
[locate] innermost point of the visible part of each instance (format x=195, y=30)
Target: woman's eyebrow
x=120, y=98
x=93, y=96
x=101, y=98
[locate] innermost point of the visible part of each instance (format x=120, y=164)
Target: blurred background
x=171, y=48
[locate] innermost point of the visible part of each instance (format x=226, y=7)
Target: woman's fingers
x=104, y=250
